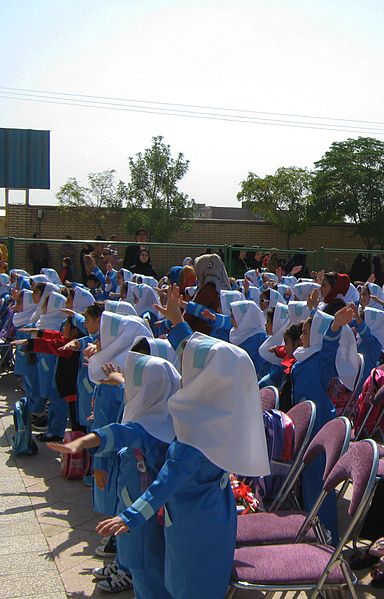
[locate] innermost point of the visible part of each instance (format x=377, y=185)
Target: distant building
x=225, y=213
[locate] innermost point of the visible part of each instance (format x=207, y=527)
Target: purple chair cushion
x=268, y=398
x=267, y=528
x=284, y=564
x=330, y=439
x=356, y=464
x=380, y=470
x=300, y=416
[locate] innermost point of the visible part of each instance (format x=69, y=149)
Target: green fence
x=165, y=255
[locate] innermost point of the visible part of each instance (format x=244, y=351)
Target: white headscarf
x=52, y=275
x=375, y=290
x=19, y=272
x=280, y=323
x=117, y=334
x=24, y=317
x=49, y=288
x=252, y=276
x=38, y=279
x=374, y=320
x=274, y=298
x=151, y=281
x=161, y=348
x=302, y=290
x=347, y=364
x=271, y=276
x=149, y=383
x=289, y=280
x=126, y=274
x=82, y=299
x=254, y=294
x=298, y=311
x=352, y=295
x=250, y=320
x=218, y=409
x=227, y=298
x=120, y=307
x=4, y=283
x=146, y=297
x=54, y=317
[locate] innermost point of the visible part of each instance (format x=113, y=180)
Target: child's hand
x=371, y=278
x=182, y=303
x=29, y=330
x=68, y=311
x=111, y=526
x=101, y=478
x=91, y=417
x=342, y=317
x=355, y=310
x=319, y=276
x=377, y=299
x=171, y=310
x=208, y=314
x=113, y=375
x=90, y=350
x=70, y=448
x=73, y=345
x=18, y=342
x=313, y=299
x=246, y=284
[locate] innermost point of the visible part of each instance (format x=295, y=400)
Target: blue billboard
x=24, y=159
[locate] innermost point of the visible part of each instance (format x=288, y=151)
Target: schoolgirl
x=144, y=298
x=277, y=321
x=120, y=307
x=216, y=433
x=248, y=332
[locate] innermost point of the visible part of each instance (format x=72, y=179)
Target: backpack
x=279, y=432
x=22, y=440
x=74, y=465
x=371, y=386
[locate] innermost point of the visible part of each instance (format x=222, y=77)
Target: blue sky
x=313, y=57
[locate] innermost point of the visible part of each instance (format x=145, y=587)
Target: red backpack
x=76, y=465
x=371, y=386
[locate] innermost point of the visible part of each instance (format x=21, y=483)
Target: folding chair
x=352, y=402
x=269, y=396
x=375, y=404
x=303, y=416
x=308, y=567
x=7, y=361
x=266, y=528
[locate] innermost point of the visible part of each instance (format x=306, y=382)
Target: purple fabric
x=380, y=470
x=268, y=398
x=355, y=464
x=302, y=564
x=330, y=439
x=300, y=416
x=266, y=528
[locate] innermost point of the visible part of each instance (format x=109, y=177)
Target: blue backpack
x=22, y=440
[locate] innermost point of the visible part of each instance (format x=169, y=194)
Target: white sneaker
x=105, y=571
x=116, y=583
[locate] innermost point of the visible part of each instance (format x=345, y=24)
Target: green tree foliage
x=152, y=196
x=281, y=198
x=102, y=192
x=349, y=185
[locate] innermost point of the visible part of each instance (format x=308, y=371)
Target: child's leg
x=57, y=415
x=149, y=584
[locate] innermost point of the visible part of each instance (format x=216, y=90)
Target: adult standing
x=39, y=255
x=132, y=252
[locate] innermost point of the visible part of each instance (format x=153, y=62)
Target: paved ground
x=47, y=524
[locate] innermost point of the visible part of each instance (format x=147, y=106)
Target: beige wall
x=23, y=222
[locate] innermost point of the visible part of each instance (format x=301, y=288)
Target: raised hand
x=342, y=317
x=172, y=309
x=61, y=448
x=296, y=269
x=209, y=315
x=313, y=299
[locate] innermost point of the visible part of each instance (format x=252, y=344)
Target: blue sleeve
x=222, y=322
x=327, y=363
x=195, y=310
x=171, y=478
x=96, y=271
x=83, y=341
x=181, y=332
x=372, y=346
x=114, y=437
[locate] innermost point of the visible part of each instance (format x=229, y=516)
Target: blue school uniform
x=310, y=380
x=85, y=387
x=274, y=377
x=58, y=407
x=26, y=367
x=370, y=348
x=108, y=403
x=200, y=532
x=140, y=458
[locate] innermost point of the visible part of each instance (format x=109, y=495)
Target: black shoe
x=108, y=549
x=47, y=438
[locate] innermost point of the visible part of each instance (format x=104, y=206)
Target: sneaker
x=106, y=571
x=116, y=583
x=108, y=549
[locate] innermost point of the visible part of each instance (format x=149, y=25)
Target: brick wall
x=23, y=221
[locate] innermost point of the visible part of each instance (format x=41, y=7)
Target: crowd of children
x=162, y=379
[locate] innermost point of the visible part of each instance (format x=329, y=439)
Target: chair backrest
x=349, y=408
x=269, y=398
x=332, y=439
x=303, y=416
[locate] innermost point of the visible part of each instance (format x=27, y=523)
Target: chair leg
x=231, y=593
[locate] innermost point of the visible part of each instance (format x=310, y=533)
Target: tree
x=281, y=198
x=102, y=192
x=349, y=185
x=153, y=199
